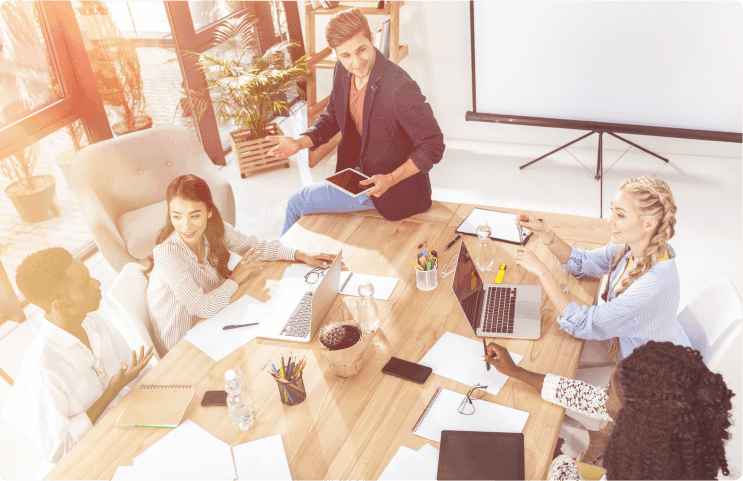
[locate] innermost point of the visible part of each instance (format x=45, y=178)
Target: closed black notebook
x=480, y=455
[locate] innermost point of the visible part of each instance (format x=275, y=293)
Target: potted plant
x=343, y=347
x=30, y=194
x=248, y=90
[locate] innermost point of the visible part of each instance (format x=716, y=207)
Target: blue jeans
x=321, y=198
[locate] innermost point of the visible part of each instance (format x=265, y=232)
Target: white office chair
x=709, y=315
x=129, y=294
x=727, y=361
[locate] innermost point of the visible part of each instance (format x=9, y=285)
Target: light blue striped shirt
x=645, y=311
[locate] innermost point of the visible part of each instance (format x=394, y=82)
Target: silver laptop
x=496, y=310
x=299, y=312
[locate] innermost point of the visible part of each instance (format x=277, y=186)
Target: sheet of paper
x=130, y=473
x=188, y=452
x=218, y=343
x=502, y=224
x=444, y=414
x=383, y=286
x=409, y=464
x=459, y=359
x=262, y=459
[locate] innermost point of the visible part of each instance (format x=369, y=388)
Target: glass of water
x=561, y=275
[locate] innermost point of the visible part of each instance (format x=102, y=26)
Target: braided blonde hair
x=653, y=198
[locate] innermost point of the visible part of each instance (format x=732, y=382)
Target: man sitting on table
x=388, y=131
x=76, y=367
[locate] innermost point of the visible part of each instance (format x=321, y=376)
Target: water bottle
x=238, y=403
x=484, y=254
x=368, y=317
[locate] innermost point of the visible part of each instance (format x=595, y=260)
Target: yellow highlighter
x=501, y=273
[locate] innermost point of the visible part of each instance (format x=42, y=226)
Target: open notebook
x=442, y=413
x=502, y=224
x=156, y=406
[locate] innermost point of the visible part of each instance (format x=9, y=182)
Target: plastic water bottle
x=368, y=317
x=484, y=254
x=238, y=403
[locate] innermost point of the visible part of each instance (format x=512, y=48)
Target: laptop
x=496, y=310
x=299, y=312
x=481, y=455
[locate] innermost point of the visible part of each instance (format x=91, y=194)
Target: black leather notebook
x=480, y=455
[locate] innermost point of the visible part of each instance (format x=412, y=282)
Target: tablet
x=348, y=181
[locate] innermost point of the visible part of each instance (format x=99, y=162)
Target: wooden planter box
x=252, y=155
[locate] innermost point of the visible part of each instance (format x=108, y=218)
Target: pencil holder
x=426, y=280
x=292, y=393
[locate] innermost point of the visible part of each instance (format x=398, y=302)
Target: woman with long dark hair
x=672, y=413
x=190, y=278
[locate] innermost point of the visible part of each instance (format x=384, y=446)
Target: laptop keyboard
x=499, y=310
x=299, y=324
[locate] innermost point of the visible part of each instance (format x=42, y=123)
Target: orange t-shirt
x=356, y=103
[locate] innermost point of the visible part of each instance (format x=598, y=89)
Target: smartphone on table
x=407, y=370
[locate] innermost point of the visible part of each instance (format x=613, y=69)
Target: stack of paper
x=218, y=343
x=460, y=359
x=410, y=464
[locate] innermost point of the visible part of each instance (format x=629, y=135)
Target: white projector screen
x=655, y=66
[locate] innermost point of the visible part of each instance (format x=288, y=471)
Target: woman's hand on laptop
x=245, y=266
x=314, y=260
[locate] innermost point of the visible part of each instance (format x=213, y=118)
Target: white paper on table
x=443, y=414
x=408, y=464
x=188, y=452
x=218, y=343
x=460, y=359
x=262, y=459
x=130, y=473
x=383, y=286
x=502, y=225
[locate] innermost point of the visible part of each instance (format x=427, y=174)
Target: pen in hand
x=239, y=325
x=485, y=346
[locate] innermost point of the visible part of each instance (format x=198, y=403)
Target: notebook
x=503, y=226
x=479, y=455
x=442, y=413
x=156, y=406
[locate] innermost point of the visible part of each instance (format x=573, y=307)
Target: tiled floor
x=707, y=190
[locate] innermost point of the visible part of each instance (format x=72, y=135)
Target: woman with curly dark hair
x=672, y=413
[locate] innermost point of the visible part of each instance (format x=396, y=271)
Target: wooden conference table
x=352, y=427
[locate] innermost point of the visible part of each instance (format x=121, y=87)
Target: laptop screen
x=466, y=285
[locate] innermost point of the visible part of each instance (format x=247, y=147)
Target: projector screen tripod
x=599, y=163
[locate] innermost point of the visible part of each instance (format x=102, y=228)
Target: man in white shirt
x=76, y=368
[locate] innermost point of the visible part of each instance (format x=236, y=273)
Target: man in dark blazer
x=388, y=131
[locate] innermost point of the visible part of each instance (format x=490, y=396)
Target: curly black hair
x=42, y=274
x=674, y=419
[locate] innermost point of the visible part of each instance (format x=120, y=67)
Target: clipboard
x=503, y=226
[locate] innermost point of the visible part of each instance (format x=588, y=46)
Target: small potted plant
x=248, y=90
x=343, y=347
x=31, y=195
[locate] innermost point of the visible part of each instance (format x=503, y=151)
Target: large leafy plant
x=244, y=87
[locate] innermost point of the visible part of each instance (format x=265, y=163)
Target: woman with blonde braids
x=642, y=294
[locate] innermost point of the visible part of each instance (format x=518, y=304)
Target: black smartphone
x=407, y=370
x=214, y=398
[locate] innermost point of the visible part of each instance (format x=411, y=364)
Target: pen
x=240, y=325
x=416, y=265
x=485, y=346
x=459, y=236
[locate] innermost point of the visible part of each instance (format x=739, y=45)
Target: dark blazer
x=398, y=125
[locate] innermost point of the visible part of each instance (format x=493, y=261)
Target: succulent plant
x=332, y=334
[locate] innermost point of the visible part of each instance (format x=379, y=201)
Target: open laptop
x=496, y=310
x=299, y=312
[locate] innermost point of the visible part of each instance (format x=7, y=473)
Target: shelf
x=327, y=63
x=362, y=6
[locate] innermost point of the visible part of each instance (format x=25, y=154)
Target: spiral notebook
x=156, y=406
x=442, y=413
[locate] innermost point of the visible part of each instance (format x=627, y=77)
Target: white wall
x=438, y=33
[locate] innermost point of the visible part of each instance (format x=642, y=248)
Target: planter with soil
x=343, y=347
x=33, y=204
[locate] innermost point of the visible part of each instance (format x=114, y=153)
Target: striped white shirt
x=183, y=290
x=645, y=311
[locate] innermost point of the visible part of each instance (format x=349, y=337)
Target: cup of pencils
x=289, y=380
x=425, y=270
